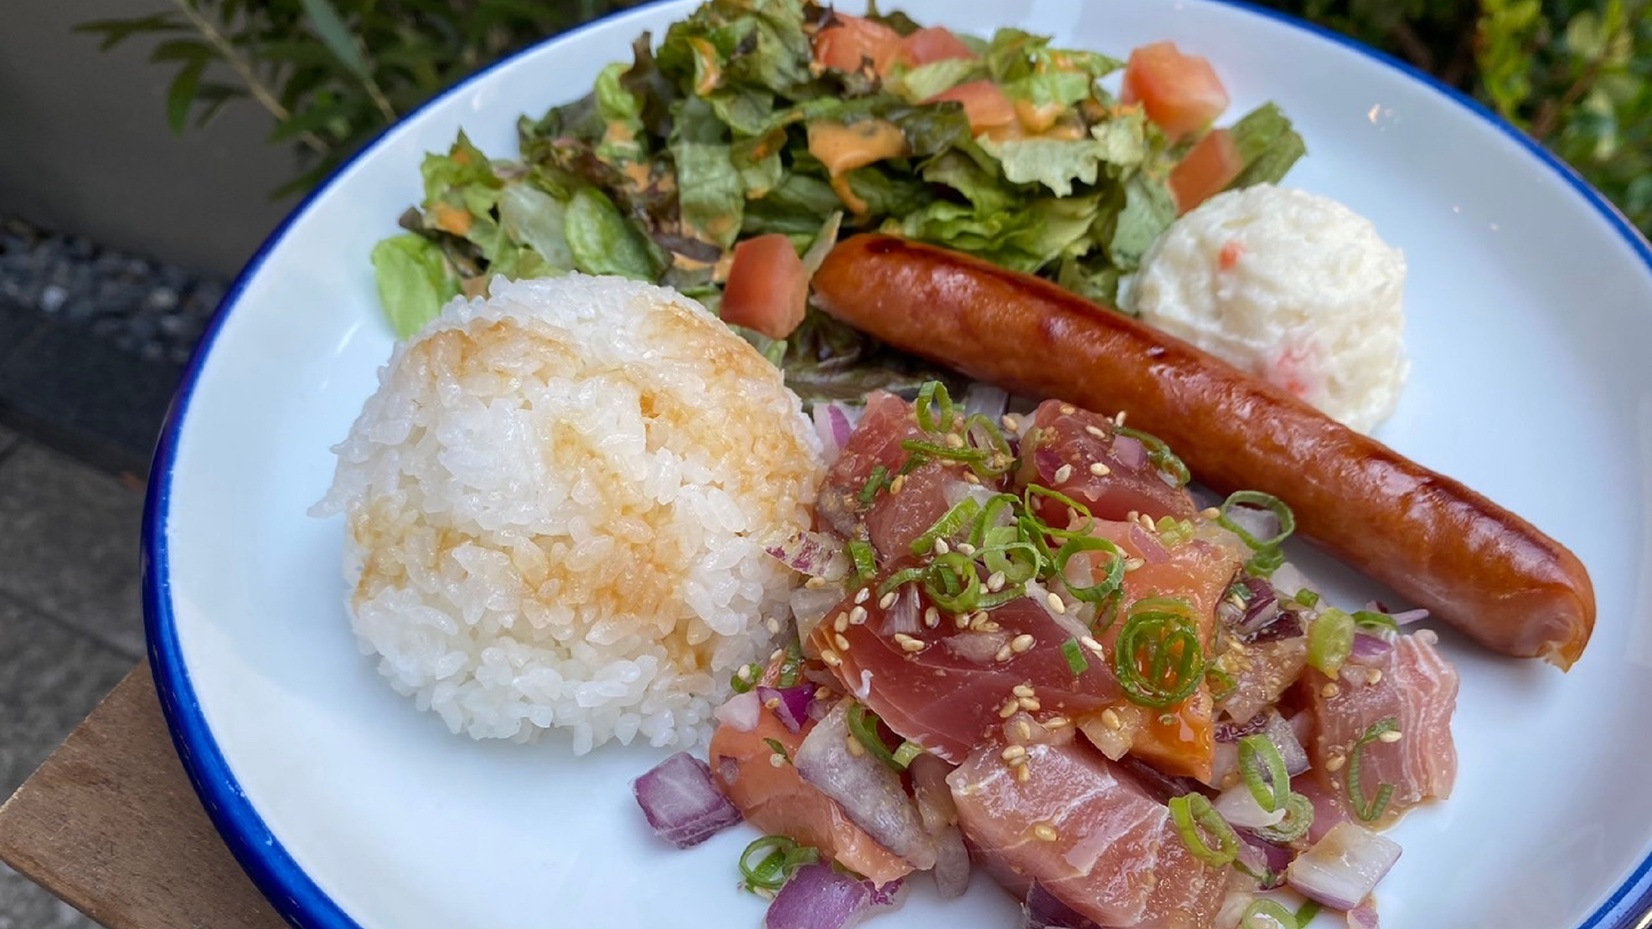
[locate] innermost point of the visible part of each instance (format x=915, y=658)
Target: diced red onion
x=1286, y=624
x=1289, y=580
x=817, y=554
x=1042, y=910
x=951, y=863
x=956, y=491
x=978, y=647
x=1368, y=648
x=1159, y=785
x=1343, y=867
x=809, y=607
x=790, y=705
x=681, y=803
x=1148, y=545
x=1068, y=621
x=987, y=400
x=1129, y=452
x=1260, y=522
x=1266, y=858
x=1233, y=732
x=819, y=896
x=1239, y=807
x=867, y=789
x=833, y=425
x=1407, y=617
x=1363, y=916
x=902, y=615
x=1283, y=736
x=740, y=711
x=1047, y=461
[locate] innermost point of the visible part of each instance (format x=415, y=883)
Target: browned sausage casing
x=1474, y=564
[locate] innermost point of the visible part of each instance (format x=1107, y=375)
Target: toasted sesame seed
x=1014, y=751
x=896, y=484
x=941, y=548
x=1330, y=690
x=887, y=601
x=964, y=548
x=841, y=624
x=1021, y=643
x=1110, y=718
x=1090, y=643
x=1004, y=654
x=1020, y=762
x=776, y=655
x=1099, y=469
x=908, y=643
x=841, y=642
x=1055, y=722
x=961, y=620
x=1045, y=832
x=954, y=440
x=773, y=625
x=932, y=617
x=1373, y=676
x=857, y=616
x=1118, y=418
x=1067, y=409
x=854, y=746
x=777, y=760
x=970, y=478
x=1023, y=690
x=1011, y=422
x=1023, y=729
x=1022, y=774
x=1096, y=431
x=1063, y=473
x=1131, y=564
x=815, y=583
x=1210, y=512
x=995, y=581
x=744, y=673
x=1335, y=763
x=823, y=693
x=1010, y=708
x=1147, y=522
x=862, y=595
x=1391, y=737
x=1057, y=605
x=830, y=657
x=1030, y=704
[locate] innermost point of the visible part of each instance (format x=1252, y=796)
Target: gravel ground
x=152, y=310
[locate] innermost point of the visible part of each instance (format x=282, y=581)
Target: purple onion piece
x=1233, y=732
x=1047, y=462
x=1042, y=910
x=869, y=791
x=1129, y=452
x=1265, y=858
x=1287, y=624
x=813, y=553
x=1284, y=737
x=681, y=803
x=740, y=711
x=819, y=896
x=1408, y=617
x=986, y=399
x=842, y=428
x=1162, y=786
x=1363, y=916
x=1148, y=545
x=1369, y=648
x=790, y=705
x=1343, y=867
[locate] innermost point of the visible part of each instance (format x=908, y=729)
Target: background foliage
x=1576, y=74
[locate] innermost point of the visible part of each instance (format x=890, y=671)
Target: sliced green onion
x=791, y=670
x=1158, y=453
x=1075, y=657
x=907, y=753
x=1173, y=531
x=999, y=459
x=955, y=519
x=1299, y=816
x=952, y=583
x=1267, y=914
x=1195, y=818
x=775, y=746
x=1264, y=771
x=1307, y=597
x=1266, y=557
x=1369, y=810
x=768, y=863
x=1109, y=585
x=866, y=565
x=1381, y=622
x=746, y=678
x=1228, y=684
x=934, y=407
x=878, y=481
x=1158, y=659
x=922, y=451
x=987, y=523
x=1305, y=914
x=1018, y=561
x=1330, y=639
x=1038, y=490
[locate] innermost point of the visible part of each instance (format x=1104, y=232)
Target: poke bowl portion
x=906, y=428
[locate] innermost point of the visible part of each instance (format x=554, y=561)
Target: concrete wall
x=84, y=144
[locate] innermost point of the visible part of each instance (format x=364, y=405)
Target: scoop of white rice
x=1290, y=286
x=557, y=504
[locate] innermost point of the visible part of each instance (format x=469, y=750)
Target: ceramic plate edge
x=294, y=895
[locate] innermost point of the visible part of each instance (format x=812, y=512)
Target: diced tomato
x=1181, y=93
x=849, y=41
x=1209, y=167
x=767, y=287
x=932, y=44
x=985, y=103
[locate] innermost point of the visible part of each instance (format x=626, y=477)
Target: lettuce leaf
x=537, y=220
x=1267, y=144
x=414, y=281
x=602, y=241
x=710, y=193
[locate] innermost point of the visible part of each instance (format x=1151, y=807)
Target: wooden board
x=110, y=824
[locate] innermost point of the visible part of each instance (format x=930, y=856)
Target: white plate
x=1531, y=313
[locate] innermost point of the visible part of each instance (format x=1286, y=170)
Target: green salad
x=781, y=117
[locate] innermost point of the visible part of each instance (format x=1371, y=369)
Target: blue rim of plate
x=289, y=889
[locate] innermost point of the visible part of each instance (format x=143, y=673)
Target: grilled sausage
x=1474, y=564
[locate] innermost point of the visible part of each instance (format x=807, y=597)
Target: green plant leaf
x=116, y=31
x=180, y=96
x=214, y=97
x=181, y=50
x=604, y=242
x=317, y=117
x=414, y=281
x=336, y=35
